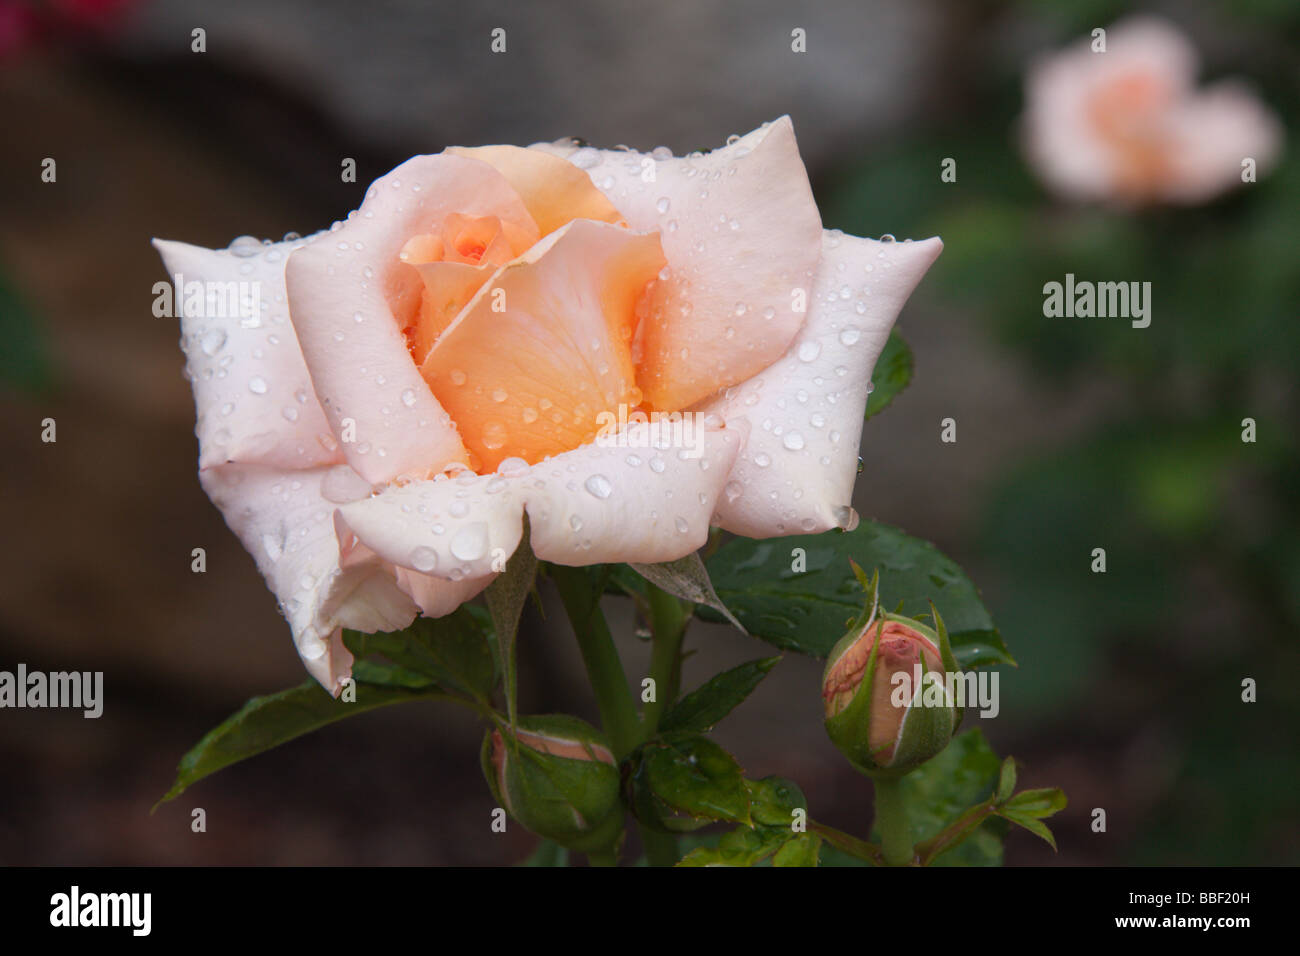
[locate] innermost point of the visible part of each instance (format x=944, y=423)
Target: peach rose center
x=524, y=328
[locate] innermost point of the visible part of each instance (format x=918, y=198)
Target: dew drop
x=808, y=351
x=257, y=385
x=408, y=397
x=598, y=486
x=471, y=542
x=793, y=441
x=212, y=341
x=246, y=246
x=424, y=559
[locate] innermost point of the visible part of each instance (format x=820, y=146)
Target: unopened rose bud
x=886, y=703
x=556, y=776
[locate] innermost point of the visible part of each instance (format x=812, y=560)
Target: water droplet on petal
x=424, y=559
x=793, y=441
x=733, y=490
x=212, y=341
x=471, y=542
x=809, y=351
x=850, y=336
x=246, y=246
x=762, y=459
x=494, y=435
x=408, y=397
x=257, y=385
x=598, y=486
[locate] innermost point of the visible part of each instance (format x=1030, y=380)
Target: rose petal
x=622, y=501
x=530, y=380
x=287, y=524
x=554, y=191
x=741, y=232
x=344, y=287
x=253, y=397
x=1218, y=128
x=796, y=472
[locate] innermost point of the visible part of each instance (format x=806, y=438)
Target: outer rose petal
x=592, y=505
x=1221, y=126
x=285, y=521
x=341, y=287
x=252, y=395
x=741, y=232
x=796, y=472
x=529, y=381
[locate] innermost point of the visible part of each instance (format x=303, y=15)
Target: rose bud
x=886, y=703
x=556, y=776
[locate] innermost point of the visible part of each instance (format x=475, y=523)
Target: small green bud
x=886, y=703
x=556, y=776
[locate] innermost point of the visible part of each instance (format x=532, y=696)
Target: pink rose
x=451, y=356
x=1129, y=125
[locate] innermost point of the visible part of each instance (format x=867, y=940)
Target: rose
x=1126, y=124
x=420, y=375
x=877, y=711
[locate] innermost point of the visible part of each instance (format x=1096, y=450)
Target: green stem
x=668, y=620
x=891, y=821
x=604, y=668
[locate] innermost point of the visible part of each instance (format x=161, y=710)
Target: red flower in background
x=26, y=23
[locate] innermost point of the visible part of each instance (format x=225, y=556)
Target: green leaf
x=1032, y=824
x=453, y=650
x=693, y=777
x=940, y=790
x=267, y=722
x=688, y=579
x=892, y=374
x=1007, y=779
x=505, y=600
x=803, y=850
x=702, y=708
x=1036, y=803
x=773, y=800
x=807, y=611
x=743, y=846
